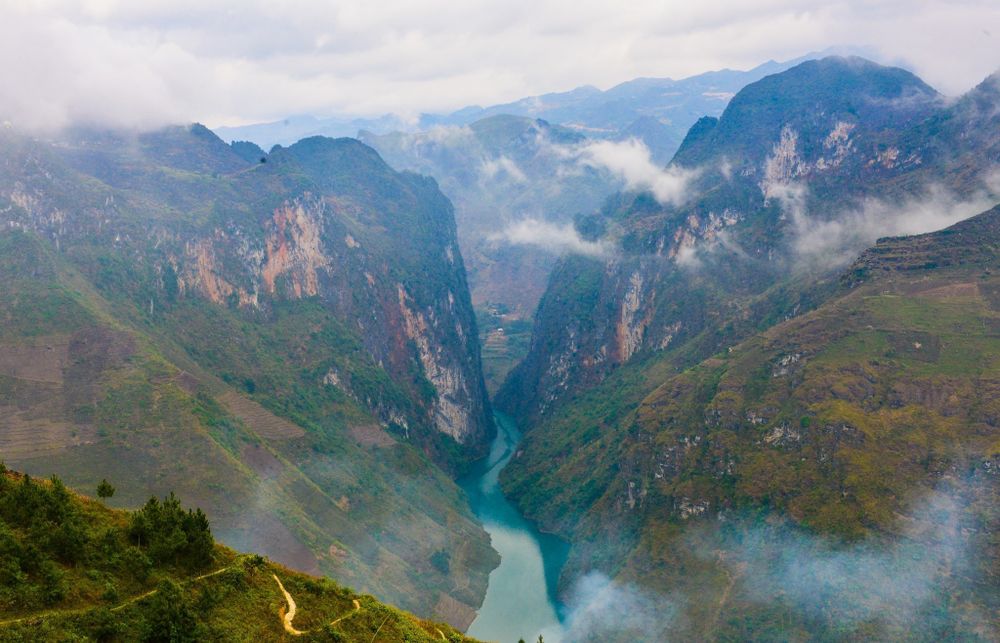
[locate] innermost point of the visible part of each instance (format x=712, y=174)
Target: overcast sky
x=144, y=62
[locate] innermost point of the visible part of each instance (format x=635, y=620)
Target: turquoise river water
x=521, y=599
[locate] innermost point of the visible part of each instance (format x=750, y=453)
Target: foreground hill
x=75, y=570
x=289, y=344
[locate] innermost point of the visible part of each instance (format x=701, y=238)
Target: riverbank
x=521, y=598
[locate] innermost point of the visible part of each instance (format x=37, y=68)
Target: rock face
x=807, y=150
x=498, y=171
x=290, y=305
x=730, y=359
x=307, y=240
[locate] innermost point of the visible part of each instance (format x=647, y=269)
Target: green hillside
x=256, y=338
x=75, y=570
x=837, y=428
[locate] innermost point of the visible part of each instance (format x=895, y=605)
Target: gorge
x=759, y=398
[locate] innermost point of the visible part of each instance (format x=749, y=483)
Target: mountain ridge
x=255, y=336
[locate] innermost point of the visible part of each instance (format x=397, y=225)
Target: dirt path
x=731, y=582
x=357, y=608
x=287, y=616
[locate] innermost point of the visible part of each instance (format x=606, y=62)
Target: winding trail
x=731, y=578
x=289, y=615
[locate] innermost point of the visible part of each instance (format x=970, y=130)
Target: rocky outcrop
x=345, y=237
x=792, y=152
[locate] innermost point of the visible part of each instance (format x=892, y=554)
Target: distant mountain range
x=659, y=111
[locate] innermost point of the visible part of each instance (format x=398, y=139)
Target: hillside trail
x=288, y=615
x=82, y=610
x=731, y=577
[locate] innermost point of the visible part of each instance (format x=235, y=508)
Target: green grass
x=112, y=590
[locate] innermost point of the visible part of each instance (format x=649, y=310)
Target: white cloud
x=553, y=237
x=232, y=62
x=835, y=242
x=631, y=160
x=600, y=608
x=502, y=166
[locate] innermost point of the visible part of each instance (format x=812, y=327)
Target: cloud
x=632, y=162
x=446, y=135
x=553, y=237
x=599, y=608
x=890, y=581
x=233, y=62
x=834, y=242
x=86, y=74
x=879, y=587
x=502, y=166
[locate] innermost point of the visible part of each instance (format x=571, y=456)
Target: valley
x=522, y=594
x=701, y=359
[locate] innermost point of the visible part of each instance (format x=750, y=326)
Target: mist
x=886, y=582
x=631, y=161
x=603, y=609
x=502, y=166
x=831, y=243
x=552, y=237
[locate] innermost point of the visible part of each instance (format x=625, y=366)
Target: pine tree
x=105, y=490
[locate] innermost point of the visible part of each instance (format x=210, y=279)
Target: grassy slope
x=140, y=408
x=839, y=421
x=232, y=597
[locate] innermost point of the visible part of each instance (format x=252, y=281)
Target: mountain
x=525, y=160
x=499, y=172
x=856, y=440
x=295, y=128
x=657, y=110
x=76, y=570
x=289, y=343
x=764, y=438
x=802, y=171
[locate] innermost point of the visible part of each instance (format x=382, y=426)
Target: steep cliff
x=802, y=171
x=678, y=413
x=833, y=477
x=290, y=342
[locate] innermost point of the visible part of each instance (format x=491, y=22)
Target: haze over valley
x=499, y=323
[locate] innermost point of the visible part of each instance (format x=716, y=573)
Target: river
x=521, y=598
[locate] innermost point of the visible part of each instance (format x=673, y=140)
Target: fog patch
x=552, y=237
x=891, y=582
x=632, y=162
x=502, y=166
x=599, y=608
x=831, y=243
x=446, y=136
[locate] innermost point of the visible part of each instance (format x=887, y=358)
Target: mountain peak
x=811, y=98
